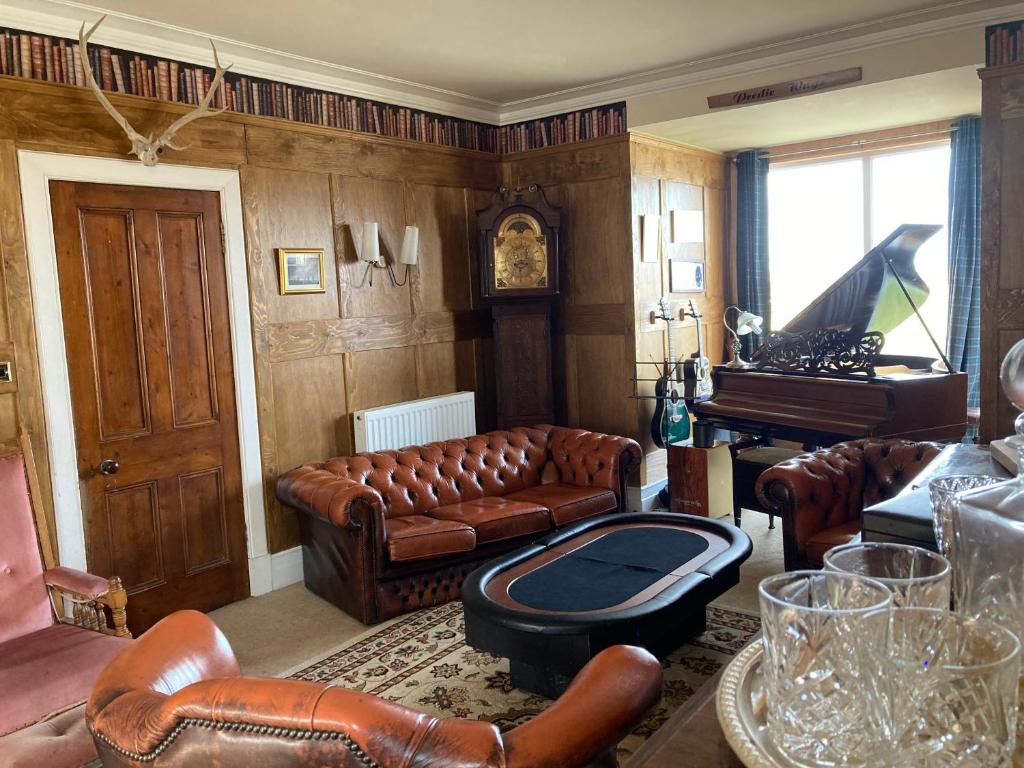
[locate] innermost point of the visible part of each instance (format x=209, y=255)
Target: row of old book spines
x=1004, y=43
x=563, y=129
x=141, y=75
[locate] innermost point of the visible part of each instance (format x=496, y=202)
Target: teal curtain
x=963, y=340
x=752, y=287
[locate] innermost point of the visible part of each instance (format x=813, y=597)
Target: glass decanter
x=988, y=530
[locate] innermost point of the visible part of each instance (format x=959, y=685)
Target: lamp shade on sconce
x=371, y=243
x=410, y=246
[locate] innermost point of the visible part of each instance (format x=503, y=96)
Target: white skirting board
x=643, y=498
x=275, y=571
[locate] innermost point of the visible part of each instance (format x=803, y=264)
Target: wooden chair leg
x=771, y=522
x=736, y=515
x=116, y=600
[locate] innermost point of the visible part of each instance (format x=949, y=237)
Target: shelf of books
x=56, y=60
x=1004, y=43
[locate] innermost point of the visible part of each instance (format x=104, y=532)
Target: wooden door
x=145, y=309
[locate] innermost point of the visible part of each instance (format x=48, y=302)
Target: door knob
x=109, y=467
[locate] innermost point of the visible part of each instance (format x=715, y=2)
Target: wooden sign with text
x=787, y=90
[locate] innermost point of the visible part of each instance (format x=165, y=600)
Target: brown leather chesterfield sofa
x=391, y=532
x=820, y=495
x=175, y=698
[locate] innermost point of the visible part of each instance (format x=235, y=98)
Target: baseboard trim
x=644, y=498
x=286, y=567
x=270, y=572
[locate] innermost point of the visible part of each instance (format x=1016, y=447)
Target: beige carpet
x=422, y=661
x=288, y=627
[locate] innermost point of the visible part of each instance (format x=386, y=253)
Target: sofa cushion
x=50, y=670
x=417, y=537
x=568, y=503
x=496, y=518
x=62, y=741
x=823, y=541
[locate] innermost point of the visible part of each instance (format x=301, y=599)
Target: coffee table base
x=547, y=646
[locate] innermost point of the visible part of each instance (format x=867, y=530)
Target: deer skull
x=144, y=147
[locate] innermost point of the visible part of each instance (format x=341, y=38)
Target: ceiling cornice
x=63, y=17
x=754, y=61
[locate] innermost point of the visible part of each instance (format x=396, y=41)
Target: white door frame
x=37, y=169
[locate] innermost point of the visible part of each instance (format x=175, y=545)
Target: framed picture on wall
x=301, y=270
x=686, y=276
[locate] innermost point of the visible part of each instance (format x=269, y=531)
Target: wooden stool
x=747, y=466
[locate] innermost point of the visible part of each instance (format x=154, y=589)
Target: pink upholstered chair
x=48, y=662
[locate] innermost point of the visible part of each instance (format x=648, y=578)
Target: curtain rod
x=859, y=143
x=855, y=143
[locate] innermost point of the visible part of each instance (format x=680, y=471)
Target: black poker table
x=643, y=579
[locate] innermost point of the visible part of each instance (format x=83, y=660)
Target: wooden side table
x=700, y=479
x=691, y=738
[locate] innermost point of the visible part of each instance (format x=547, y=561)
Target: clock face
x=520, y=254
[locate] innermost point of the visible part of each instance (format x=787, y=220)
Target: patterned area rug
x=422, y=661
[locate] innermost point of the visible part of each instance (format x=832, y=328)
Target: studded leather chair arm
x=344, y=502
x=593, y=459
x=174, y=698
x=830, y=487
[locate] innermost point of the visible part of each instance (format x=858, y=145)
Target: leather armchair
x=175, y=698
x=820, y=495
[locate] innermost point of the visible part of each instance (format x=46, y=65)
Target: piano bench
x=747, y=466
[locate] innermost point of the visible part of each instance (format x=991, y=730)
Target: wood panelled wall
x=1002, y=238
x=318, y=357
x=666, y=176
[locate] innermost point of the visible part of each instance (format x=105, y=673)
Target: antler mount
x=146, y=148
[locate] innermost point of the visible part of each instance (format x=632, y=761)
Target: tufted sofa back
x=831, y=486
x=418, y=478
x=22, y=589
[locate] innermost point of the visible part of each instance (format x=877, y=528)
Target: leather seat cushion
x=823, y=541
x=496, y=518
x=49, y=670
x=568, y=503
x=418, y=537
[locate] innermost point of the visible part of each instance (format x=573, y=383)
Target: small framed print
x=650, y=237
x=687, y=226
x=301, y=270
x=686, y=276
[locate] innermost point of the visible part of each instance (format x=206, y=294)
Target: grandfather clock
x=519, y=280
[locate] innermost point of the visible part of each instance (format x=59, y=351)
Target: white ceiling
x=894, y=103
x=505, y=53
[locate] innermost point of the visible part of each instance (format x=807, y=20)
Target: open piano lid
x=867, y=297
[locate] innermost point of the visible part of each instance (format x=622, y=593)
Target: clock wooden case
x=519, y=271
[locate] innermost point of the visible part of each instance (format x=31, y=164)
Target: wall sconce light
x=375, y=260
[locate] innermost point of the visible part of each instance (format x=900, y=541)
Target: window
x=824, y=216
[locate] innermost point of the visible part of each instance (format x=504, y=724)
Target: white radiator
x=416, y=422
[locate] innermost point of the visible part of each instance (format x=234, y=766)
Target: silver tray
x=741, y=710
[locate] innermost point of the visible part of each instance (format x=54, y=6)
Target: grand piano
x=796, y=391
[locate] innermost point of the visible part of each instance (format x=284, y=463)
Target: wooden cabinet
x=1002, y=237
x=700, y=480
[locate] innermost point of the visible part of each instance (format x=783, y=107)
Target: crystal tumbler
x=942, y=491
x=916, y=577
x=822, y=632
x=950, y=690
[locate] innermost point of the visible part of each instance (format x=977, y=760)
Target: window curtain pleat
x=963, y=343
x=752, y=284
